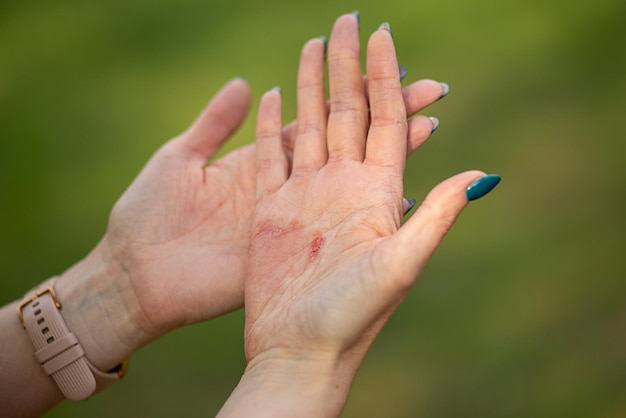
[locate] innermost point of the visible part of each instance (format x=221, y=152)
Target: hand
x=181, y=229
x=329, y=260
x=177, y=243
x=176, y=246
x=174, y=253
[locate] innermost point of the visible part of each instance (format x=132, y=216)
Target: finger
x=271, y=163
x=348, y=117
x=387, y=137
x=417, y=96
x=421, y=94
x=414, y=243
x=420, y=129
x=310, y=147
x=220, y=119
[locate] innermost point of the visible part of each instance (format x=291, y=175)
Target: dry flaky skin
x=329, y=259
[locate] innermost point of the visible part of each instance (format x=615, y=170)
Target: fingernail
x=446, y=90
x=277, y=88
x=358, y=17
x=408, y=204
x=387, y=27
x=403, y=72
x=482, y=186
x=325, y=40
x=435, y=123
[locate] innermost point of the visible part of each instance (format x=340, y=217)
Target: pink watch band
x=58, y=350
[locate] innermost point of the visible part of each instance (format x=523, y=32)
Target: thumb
x=220, y=119
x=415, y=242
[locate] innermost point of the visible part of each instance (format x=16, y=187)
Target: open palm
x=181, y=229
x=320, y=225
x=329, y=259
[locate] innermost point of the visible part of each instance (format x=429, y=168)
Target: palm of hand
x=347, y=212
x=183, y=229
x=318, y=247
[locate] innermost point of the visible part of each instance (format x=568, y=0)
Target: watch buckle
x=37, y=294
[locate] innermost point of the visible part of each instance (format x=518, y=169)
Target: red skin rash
x=316, y=245
x=268, y=231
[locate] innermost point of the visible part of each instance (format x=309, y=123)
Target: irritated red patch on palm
x=277, y=239
x=316, y=246
x=271, y=230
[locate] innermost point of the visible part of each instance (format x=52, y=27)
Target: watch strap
x=58, y=350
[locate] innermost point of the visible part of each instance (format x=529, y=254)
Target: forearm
x=25, y=390
x=290, y=387
x=95, y=311
x=100, y=308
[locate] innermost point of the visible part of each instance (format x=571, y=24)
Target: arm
x=152, y=271
x=329, y=259
x=179, y=222
x=174, y=253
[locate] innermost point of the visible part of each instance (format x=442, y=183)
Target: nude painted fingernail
x=358, y=17
x=446, y=90
x=386, y=26
x=403, y=72
x=408, y=204
x=325, y=40
x=435, y=122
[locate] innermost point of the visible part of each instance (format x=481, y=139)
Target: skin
x=177, y=244
x=329, y=257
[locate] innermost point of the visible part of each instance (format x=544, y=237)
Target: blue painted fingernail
x=386, y=26
x=403, y=72
x=482, y=186
x=446, y=90
x=408, y=203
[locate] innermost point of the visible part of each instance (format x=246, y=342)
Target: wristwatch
x=57, y=349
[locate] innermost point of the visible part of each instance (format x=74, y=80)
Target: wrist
x=99, y=307
x=277, y=384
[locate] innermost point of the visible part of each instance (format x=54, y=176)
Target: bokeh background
x=522, y=312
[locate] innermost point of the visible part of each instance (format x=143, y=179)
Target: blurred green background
x=522, y=312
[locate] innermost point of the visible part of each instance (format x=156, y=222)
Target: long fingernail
x=325, y=40
x=446, y=90
x=482, y=186
x=386, y=26
x=435, y=123
x=403, y=72
x=408, y=204
x=358, y=17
